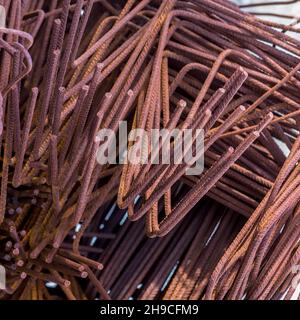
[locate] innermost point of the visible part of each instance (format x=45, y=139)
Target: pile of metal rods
x=69, y=68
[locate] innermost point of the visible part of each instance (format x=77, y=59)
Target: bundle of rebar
x=72, y=228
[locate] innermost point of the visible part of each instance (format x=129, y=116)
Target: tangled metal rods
x=69, y=68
